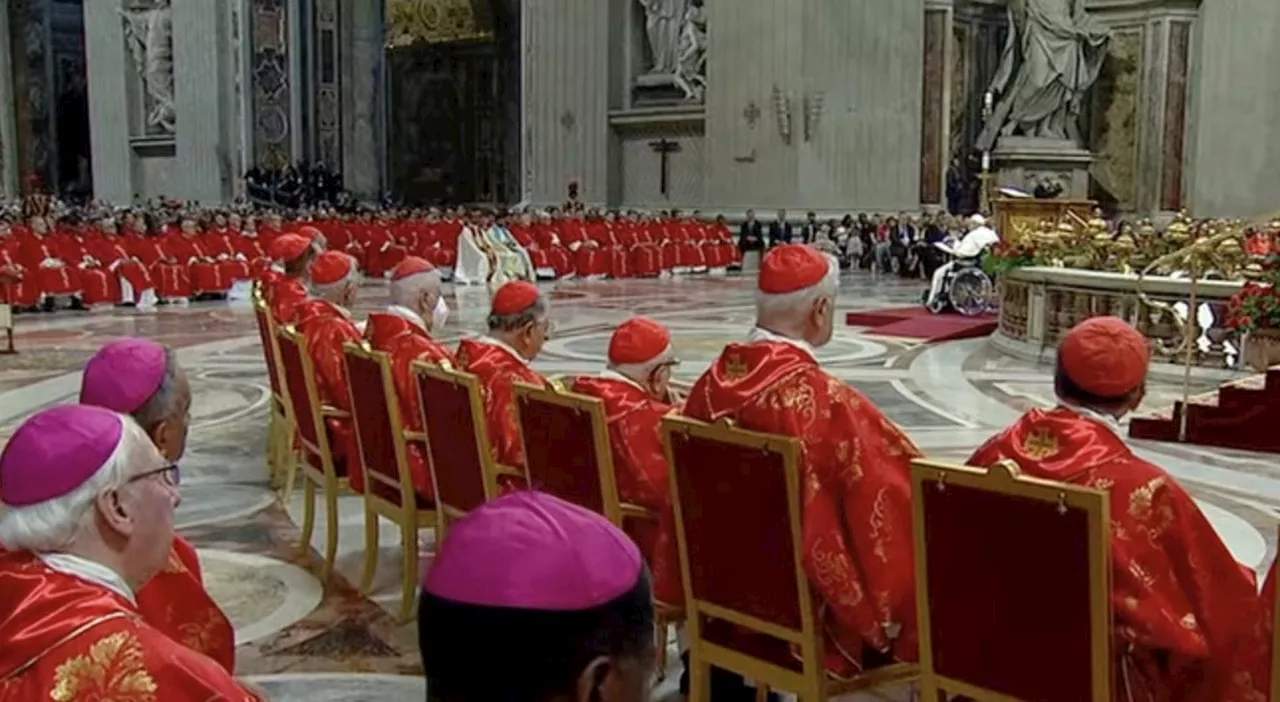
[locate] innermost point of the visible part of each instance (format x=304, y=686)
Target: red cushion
x=264, y=334
x=1008, y=586
x=451, y=440
x=372, y=419
x=299, y=400
x=560, y=452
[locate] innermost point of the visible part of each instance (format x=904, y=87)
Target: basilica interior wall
x=1233, y=137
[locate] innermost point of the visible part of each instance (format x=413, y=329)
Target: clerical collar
x=761, y=334
x=89, y=571
x=405, y=313
x=505, y=347
x=611, y=374
x=1107, y=420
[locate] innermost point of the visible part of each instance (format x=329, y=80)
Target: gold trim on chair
x=812, y=682
x=491, y=468
x=326, y=477
x=280, y=434
x=1275, y=650
x=405, y=515
x=1006, y=479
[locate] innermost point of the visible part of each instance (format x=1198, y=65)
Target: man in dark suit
x=809, y=230
x=751, y=234
x=780, y=230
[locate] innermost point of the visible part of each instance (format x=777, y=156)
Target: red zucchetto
x=331, y=267
x=411, y=266
x=309, y=232
x=1104, y=356
x=640, y=341
x=791, y=267
x=513, y=298
x=288, y=247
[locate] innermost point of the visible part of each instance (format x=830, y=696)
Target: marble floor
x=302, y=639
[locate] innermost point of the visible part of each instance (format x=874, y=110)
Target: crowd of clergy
x=530, y=598
x=54, y=257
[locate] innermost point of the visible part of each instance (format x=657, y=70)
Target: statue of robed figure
x=1052, y=56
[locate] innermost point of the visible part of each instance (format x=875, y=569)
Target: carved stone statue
x=663, y=21
x=691, y=63
x=1052, y=57
x=149, y=33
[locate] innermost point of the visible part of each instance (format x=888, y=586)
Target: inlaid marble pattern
x=319, y=641
x=1116, y=115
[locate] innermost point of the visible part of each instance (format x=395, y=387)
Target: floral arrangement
x=1256, y=306
x=1005, y=257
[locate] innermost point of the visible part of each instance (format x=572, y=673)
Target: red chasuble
x=407, y=342
x=175, y=602
x=855, y=472
x=284, y=294
x=639, y=463
x=498, y=369
x=1183, y=606
x=69, y=640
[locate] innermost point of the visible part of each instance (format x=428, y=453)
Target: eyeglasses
x=169, y=473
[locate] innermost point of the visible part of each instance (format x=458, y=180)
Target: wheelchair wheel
x=971, y=291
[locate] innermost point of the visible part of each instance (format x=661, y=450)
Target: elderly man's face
x=136, y=518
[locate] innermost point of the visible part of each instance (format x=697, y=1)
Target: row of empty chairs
x=1013, y=573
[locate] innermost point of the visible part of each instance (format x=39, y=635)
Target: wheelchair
x=967, y=289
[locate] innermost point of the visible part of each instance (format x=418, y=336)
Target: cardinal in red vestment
x=87, y=521
x=41, y=254
x=286, y=289
x=519, y=325
x=636, y=391
x=403, y=332
x=855, y=466
x=327, y=325
x=142, y=379
x=1183, y=606
x=17, y=286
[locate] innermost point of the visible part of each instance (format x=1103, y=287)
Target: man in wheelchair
x=966, y=266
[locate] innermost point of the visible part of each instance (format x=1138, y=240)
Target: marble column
x=935, y=99
x=325, y=53
x=272, y=88
x=109, y=69
x=361, y=79
x=8, y=125
x=203, y=169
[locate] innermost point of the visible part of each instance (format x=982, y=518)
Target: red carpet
x=1243, y=414
x=919, y=323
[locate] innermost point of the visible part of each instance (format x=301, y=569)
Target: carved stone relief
x=675, y=38
x=148, y=32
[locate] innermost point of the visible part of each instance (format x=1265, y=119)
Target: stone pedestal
x=1021, y=162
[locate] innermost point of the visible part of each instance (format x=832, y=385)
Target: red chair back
x=266, y=329
x=566, y=446
x=304, y=400
x=736, y=493
x=457, y=439
x=1013, y=589
x=375, y=414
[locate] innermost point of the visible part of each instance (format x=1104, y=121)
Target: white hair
x=330, y=291
x=406, y=291
x=795, y=304
x=640, y=371
x=53, y=525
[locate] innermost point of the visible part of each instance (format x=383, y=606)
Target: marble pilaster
x=8, y=97
x=326, y=83
x=361, y=86
x=272, y=75
x=203, y=171
x=110, y=69
x=935, y=112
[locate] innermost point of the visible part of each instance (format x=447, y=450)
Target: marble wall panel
x=933, y=107
x=565, y=109
x=109, y=68
x=270, y=69
x=199, y=31
x=1175, y=116
x=642, y=168
x=1114, y=138
x=360, y=86
x=326, y=82
x=8, y=164
x=961, y=87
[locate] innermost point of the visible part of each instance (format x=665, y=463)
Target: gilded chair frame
x=280, y=431
x=405, y=515
x=446, y=373
x=1275, y=650
x=557, y=392
x=327, y=476
x=811, y=683
x=1005, y=479
x=593, y=407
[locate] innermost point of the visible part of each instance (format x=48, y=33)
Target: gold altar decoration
x=1018, y=219
x=437, y=21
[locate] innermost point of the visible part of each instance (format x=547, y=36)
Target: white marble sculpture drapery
x=663, y=21
x=1053, y=55
x=149, y=32
x=691, y=61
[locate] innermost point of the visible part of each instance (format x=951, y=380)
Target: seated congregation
x=775, y=514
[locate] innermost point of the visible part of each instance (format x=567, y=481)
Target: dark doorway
x=453, y=115
x=52, y=107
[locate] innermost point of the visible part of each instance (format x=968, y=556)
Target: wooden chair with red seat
x=279, y=432
x=1013, y=586
x=736, y=495
x=568, y=454
x=463, y=468
x=1275, y=631
x=388, y=482
x=314, y=458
